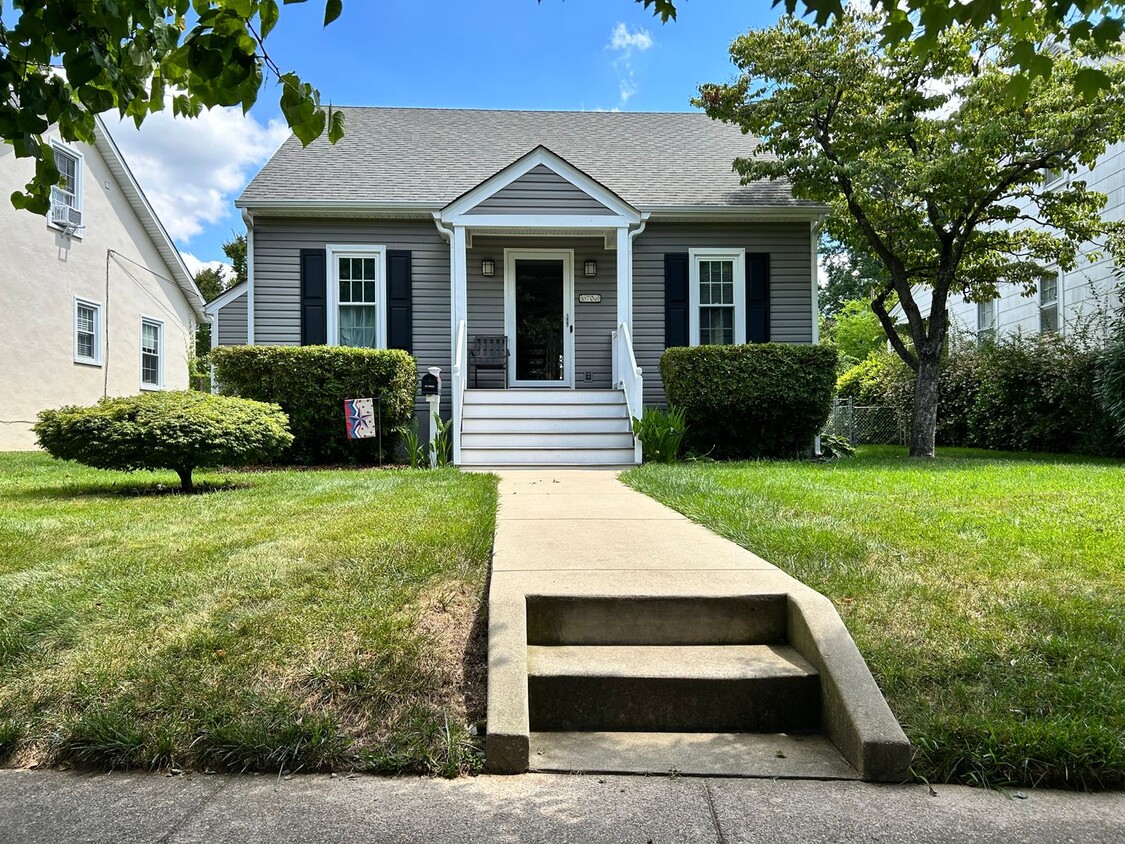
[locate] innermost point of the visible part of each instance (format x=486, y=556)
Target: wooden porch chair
x=488, y=352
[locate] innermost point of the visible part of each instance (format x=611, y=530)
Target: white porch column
x=624, y=277
x=459, y=285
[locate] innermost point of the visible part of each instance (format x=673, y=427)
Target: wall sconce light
x=488, y=268
x=590, y=269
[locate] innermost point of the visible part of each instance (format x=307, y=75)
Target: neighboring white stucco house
x=96, y=303
x=1080, y=299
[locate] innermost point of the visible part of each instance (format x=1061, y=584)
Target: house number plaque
x=590, y=298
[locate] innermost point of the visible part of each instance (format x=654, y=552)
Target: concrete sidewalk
x=53, y=807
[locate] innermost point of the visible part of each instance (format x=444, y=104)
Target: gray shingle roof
x=391, y=155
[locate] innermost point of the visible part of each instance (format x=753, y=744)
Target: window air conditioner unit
x=63, y=215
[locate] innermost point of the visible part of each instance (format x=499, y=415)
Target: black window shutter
x=400, y=309
x=314, y=302
x=676, y=300
x=758, y=298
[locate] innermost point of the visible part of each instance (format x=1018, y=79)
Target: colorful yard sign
x=360, y=417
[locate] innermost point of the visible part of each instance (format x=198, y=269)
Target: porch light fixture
x=488, y=268
x=590, y=268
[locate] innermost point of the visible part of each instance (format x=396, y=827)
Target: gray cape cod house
x=542, y=260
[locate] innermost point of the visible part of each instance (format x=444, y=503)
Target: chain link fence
x=865, y=424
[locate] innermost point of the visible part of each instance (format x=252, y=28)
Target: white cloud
x=191, y=170
x=623, y=39
x=194, y=265
x=625, y=42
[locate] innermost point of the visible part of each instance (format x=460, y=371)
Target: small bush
x=1110, y=381
x=311, y=382
x=660, y=433
x=761, y=400
x=181, y=431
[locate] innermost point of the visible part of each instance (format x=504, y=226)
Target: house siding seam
x=540, y=191
x=277, y=279
x=593, y=322
x=790, y=301
x=232, y=322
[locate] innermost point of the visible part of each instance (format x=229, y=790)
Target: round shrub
x=760, y=400
x=311, y=382
x=181, y=431
x=1110, y=382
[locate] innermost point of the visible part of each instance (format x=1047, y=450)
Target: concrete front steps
x=692, y=685
x=546, y=427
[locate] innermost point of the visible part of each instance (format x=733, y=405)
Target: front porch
x=541, y=265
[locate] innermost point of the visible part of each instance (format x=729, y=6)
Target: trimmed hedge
x=311, y=382
x=182, y=431
x=759, y=400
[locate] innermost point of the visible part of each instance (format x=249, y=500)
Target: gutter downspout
x=248, y=218
x=814, y=230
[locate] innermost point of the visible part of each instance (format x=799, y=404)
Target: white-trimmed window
x=1049, y=304
x=66, y=197
x=152, y=354
x=717, y=296
x=357, y=296
x=986, y=322
x=87, y=332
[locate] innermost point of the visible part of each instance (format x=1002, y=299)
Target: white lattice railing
x=460, y=378
x=628, y=377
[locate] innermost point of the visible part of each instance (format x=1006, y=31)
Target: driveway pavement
x=51, y=807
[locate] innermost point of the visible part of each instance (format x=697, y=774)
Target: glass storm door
x=541, y=320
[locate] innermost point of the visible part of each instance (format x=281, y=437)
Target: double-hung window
x=357, y=316
x=1049, y=304
x=986, y=322
x=87, y=332
x=66, y=196
x=717, y=296
x=152, y=354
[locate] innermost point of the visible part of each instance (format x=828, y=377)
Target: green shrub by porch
x=182, y=431
x=759, y=400
x=311, y=382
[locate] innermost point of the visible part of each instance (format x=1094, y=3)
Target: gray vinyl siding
x=277, y=279
x=232, y=322
x=788, y=245
x=593, y=322
x=540, y=191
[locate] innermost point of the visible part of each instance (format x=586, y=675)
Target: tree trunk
x=186, y=485
x=924, y=429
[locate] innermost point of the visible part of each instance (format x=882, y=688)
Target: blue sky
x=557, y=54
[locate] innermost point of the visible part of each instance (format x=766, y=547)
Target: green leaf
x=335, y=125
x=268, y=13
x=1091, y=81
x=332, y=10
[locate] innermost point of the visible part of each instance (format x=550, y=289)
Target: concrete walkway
x=52, y=807
x=570, y=538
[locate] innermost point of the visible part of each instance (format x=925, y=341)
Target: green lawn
x=298, y=620
x=986, y=590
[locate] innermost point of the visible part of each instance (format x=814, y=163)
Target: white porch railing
x=627, y=376
x=460, y=379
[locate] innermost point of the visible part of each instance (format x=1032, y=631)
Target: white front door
x=539, y=317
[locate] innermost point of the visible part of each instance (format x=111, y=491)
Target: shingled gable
x=578, y=193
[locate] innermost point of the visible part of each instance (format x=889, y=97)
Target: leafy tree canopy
x=135, y=56
x=235, y=250
x=1096, y=23
x=855, y=330
x=926, y=161
x=851, y=274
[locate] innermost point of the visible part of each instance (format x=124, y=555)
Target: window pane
x=716, y=326
x=1049, y=290
x=369, y=291
x=85, y=345
x=345, y=268
x=150, y=369
x=85, y=319
x=369, y=269
x=150, y=339
x=68, y=166
x=1049, y=319
x=357, y=326
x=345, y=290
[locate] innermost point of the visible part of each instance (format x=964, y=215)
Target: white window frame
x=1055, y=303
x=79, y=180
x=987, y=333
x=162, y=345
x=738, y=256
x=99, y=330
x=333, y=252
